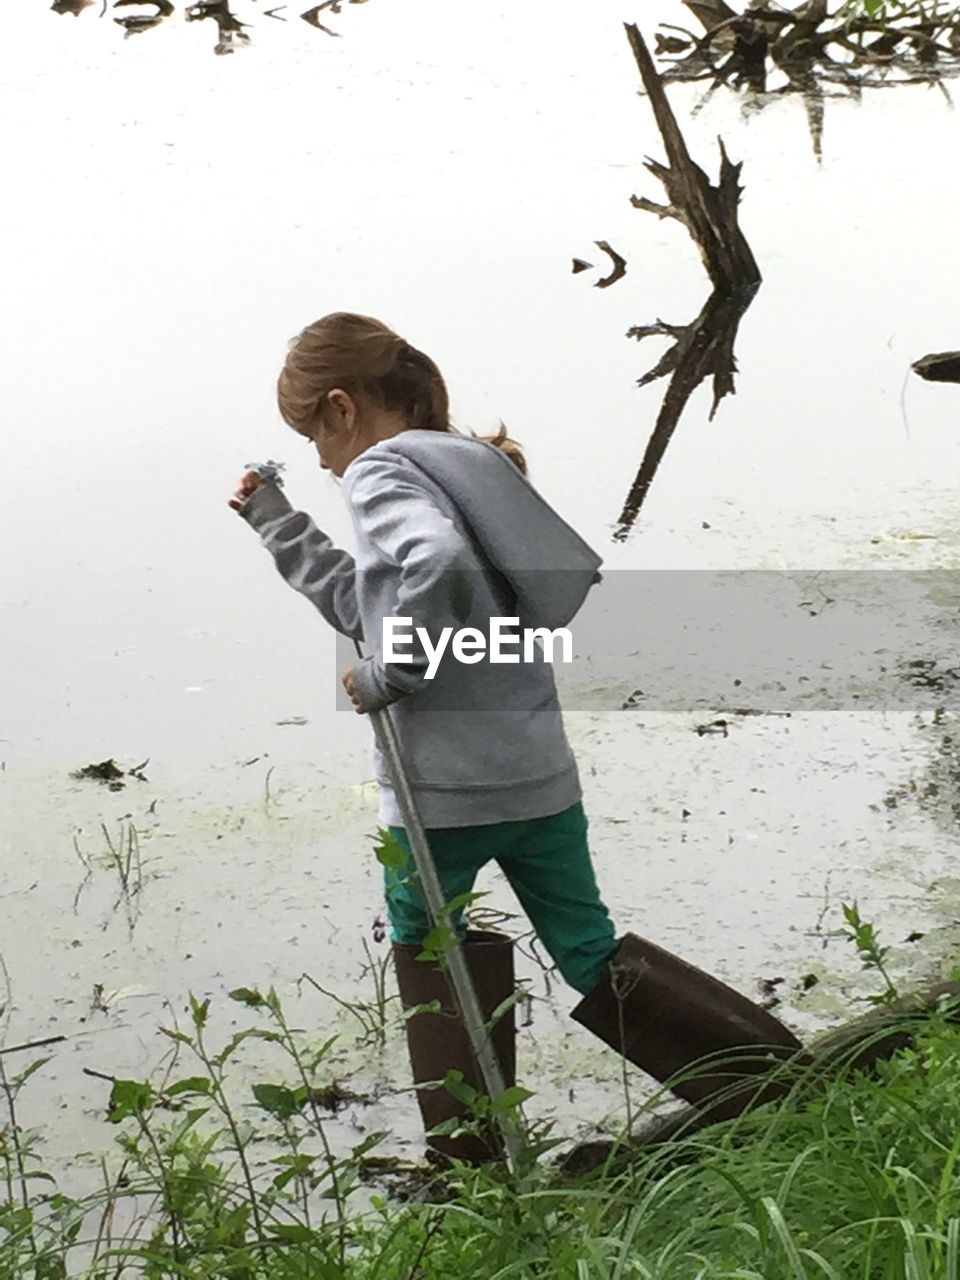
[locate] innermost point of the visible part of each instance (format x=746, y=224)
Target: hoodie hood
x=549, y=566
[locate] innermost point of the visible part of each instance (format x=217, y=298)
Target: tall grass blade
x=797, y=1270
x=633, y=1225
x=946, y=1179
x=827, y=1268
x=914, y=1261
x=953, y=1250
x=790, y=1175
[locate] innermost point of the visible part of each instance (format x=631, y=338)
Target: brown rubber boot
x=438, y=1042
x=664, y=1015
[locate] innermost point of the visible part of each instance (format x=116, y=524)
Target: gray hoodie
x=449, y=534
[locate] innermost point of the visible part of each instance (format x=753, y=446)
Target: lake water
x=171, y=219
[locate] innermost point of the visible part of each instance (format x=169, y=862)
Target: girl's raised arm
x=306, y=557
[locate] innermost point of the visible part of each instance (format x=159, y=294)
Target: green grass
x=859, y=1183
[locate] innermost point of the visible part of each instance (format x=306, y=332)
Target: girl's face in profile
x=335, y=432
x=344, y=427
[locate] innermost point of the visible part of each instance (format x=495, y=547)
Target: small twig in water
x=619, y=266
x=33, y=1044
x=99, y=1075
x=86, y=879
x=129, y=868
x=829, y=935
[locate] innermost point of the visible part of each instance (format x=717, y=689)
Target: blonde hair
x=371, y=362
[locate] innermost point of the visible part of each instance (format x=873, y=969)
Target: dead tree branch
x=702, y=349
x=705, y=347
x=709, y=213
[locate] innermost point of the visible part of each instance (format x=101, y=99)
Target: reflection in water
x=806, y=48
x=231, y=32
x=701, y=350
x=137, y=22
x=705, y=347
x=618, y=268
x=313, y=15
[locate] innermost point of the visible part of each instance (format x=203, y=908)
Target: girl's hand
x=352, y=691
x=249, y=481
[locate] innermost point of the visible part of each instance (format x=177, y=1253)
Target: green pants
x=547, y=862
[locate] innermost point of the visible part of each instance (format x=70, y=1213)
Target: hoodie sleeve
x=437, y=569
x=306, y=557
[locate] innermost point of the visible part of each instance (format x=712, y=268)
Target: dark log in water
x=944, y=367
x=877, y=1035
x=859, y=1045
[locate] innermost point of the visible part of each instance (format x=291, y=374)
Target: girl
x=450, y=533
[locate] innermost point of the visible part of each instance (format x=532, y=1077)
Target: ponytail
x=506, y=444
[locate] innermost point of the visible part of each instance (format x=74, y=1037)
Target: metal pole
x=460, y=979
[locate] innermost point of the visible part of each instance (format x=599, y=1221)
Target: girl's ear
x=342, y=407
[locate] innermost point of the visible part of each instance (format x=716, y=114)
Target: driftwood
x=944, y=367
x=810, y=48
x=875, y=1036
x=705, y=347
x=709, y=213
x=859, y=1045
x=914, y=38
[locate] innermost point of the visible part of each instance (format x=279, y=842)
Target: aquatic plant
x=863, y=934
